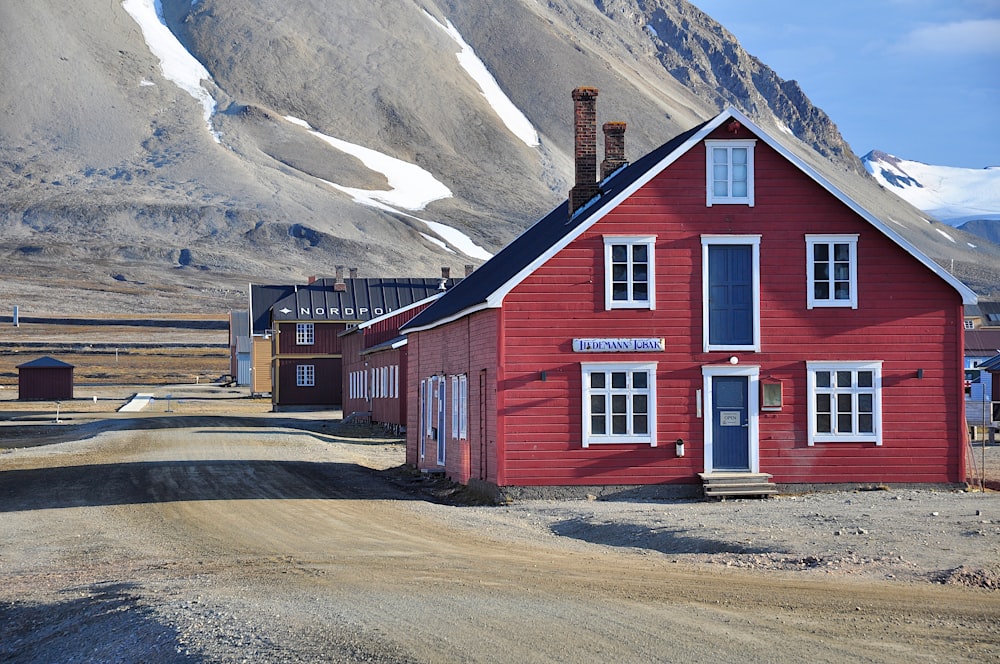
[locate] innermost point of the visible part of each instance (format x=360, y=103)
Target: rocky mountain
x=312, y=128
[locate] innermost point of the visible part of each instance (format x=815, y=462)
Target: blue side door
x=730, y=423
x=730, y=295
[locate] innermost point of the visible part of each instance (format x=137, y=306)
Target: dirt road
x=228, y=541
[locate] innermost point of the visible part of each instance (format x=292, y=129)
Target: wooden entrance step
x=725, y=484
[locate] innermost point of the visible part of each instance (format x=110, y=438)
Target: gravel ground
x=291, y=537
x=911, y=535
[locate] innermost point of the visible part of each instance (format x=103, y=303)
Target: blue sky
x=919, y=79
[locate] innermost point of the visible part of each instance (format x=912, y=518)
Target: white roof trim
x=395, y=312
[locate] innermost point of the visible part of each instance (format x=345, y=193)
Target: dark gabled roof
x=361, y=299
x=45, y=363
x=992, y=365
x=474, y=291
x=262, y=298
x=488, y=285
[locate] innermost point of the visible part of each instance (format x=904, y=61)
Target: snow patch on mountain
x=176, y=63
x=412, y=188
x=509, y=113
x=951, y=195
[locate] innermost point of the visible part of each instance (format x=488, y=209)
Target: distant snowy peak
x=951, y=195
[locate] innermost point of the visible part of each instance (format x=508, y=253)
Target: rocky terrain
x=116, y=194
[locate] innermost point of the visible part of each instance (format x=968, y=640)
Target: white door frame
x=753, y=408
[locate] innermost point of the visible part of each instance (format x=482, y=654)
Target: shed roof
x=490, y=283
x=45, y=363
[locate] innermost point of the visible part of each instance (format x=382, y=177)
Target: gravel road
x=202, y=538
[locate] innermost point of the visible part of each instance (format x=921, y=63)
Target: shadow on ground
x=108, y=623
x=170, y=481
x=671, y=541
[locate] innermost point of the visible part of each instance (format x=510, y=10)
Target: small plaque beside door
x=729, y=418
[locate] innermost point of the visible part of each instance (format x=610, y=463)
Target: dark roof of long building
x=45, y=363
x=360, y=299
x=490, y=282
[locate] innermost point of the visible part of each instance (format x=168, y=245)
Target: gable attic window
x=628, y=273
x=305, y=334
x=729, y=172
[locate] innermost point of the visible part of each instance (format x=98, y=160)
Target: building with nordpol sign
x=716, y=316
x=297, y=350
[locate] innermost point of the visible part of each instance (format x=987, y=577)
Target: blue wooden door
x=730, y=295
x=730, y=423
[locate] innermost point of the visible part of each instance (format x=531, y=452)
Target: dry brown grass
x=119, y=354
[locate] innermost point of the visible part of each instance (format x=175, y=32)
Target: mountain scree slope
x=116, y=195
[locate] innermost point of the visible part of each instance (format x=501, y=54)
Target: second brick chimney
x=585, y=153
x=614, y=148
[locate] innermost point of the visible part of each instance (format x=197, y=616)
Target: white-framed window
x=460, y=407
x=845, y=402
x=832, y=271
x=729, y=172
x=422, y=427
x=619, y=403
x=730, y=277
x=305, y=334
x=305, y=375
x=441, y=401
x=970, y=324
x=629, y=273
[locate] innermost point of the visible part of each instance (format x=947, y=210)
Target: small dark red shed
x=45, y=379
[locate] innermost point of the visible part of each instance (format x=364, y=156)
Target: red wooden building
x=300, y=326
x=375, y=357
x=717, y=309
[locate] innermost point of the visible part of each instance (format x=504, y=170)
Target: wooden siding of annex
x=467, y=346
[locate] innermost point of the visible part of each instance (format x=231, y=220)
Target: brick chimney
x=585, y=153
x=338, y=284
x=469, y=268
x=353, y=272
x=614, y=148
x=312, y=280
x=445, y=272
